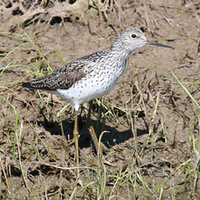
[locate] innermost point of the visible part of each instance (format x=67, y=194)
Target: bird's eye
x=133, y=36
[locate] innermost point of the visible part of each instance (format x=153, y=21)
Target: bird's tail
x=27, y=85
x=40, y=83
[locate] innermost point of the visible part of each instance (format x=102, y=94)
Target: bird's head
x=131, y=39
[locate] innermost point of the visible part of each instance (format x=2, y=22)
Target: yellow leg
x=93, y=134
x=75, y=133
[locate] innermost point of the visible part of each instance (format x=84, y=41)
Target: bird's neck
x=120, y=55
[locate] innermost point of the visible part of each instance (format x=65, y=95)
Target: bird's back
x=66, y=76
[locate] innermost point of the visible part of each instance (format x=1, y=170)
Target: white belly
x=85, y=90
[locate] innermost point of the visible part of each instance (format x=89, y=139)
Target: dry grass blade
x=5, y=176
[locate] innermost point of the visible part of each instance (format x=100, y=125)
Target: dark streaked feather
x=66, y=76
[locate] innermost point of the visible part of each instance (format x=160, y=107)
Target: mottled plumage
x=92, y=76
x=66, y=76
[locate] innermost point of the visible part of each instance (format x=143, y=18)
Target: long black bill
x=158, y=44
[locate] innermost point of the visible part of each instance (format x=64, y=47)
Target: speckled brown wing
x=66, y=76
x=62, y=78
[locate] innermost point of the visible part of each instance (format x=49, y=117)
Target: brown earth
x=149, y=124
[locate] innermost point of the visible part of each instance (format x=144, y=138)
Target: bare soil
x=149, y=126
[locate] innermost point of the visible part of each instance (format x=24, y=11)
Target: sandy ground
x=149, y=124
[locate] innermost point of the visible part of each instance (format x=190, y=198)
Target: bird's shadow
x=110, y=137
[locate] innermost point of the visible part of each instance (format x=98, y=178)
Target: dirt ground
x=148, y=125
